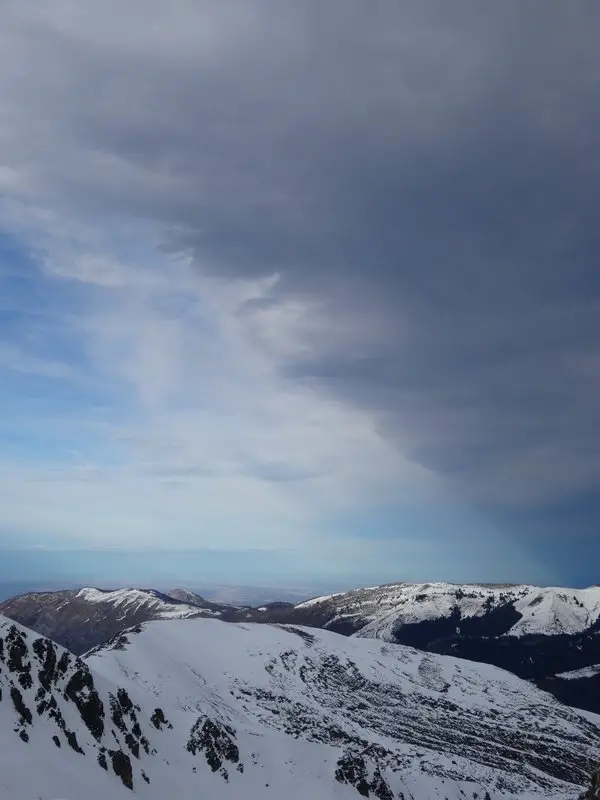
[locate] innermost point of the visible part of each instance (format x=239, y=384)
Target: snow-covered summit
x=378, y=612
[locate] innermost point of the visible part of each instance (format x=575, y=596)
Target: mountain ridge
x=82, y=618
x=538, y=633
x=182, y=707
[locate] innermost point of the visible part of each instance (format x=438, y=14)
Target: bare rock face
x=121, y=765
x=216, y=741
x=352, y=768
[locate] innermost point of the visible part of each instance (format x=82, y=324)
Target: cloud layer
x=315, y=258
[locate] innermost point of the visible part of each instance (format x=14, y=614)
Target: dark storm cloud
x=429, y=170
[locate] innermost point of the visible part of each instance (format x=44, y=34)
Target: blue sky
x=295, y=295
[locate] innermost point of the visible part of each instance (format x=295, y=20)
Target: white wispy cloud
x=208, y=438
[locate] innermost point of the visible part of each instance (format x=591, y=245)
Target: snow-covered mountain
x=191, y=598
x=537, y=633
x=406, y=613
x=382, y=612
x=80, y=619
x=196, y=707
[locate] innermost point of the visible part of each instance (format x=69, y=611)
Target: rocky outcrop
x=42, y=681
x=216, y=741
x=352, y=768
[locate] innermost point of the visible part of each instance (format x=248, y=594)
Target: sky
x=299, y=292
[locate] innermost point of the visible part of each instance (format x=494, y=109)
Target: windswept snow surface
x=378, y=611
x=433, y=726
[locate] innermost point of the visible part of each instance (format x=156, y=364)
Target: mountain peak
x=187, y=596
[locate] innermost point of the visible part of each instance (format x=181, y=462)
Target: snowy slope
x=537, y=633
x=431, y=726
x=200, y=708
x=379, y=611
x=47, y=750
x=556, y=610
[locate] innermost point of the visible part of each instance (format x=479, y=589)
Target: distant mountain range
x=548, y=635
x=190, y=707
x=79, y=619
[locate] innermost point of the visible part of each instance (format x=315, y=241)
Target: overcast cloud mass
x=317, y=279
